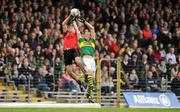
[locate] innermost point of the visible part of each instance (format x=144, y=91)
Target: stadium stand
x=145, y=34
x=9, y=93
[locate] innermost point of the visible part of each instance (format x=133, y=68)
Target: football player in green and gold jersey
x=87, y=48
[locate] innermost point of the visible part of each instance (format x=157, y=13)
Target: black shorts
x=69, y=56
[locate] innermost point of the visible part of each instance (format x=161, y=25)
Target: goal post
x=118, y=77
x=118, y=82
x=98, y=86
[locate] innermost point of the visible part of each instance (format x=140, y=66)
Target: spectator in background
x=107, y=85
x=157, y=54
x=67, y=82
x=25, y=72
x=138, y=53
x=133, y=79
x=162, y=37
x=104, y=85
x=162, y=50
x=134, y=64
x=171, y=56
x=155, y=72
x=162, y=68
x=152, y=84
x=33, y=41
x=147, y=34
x=112, y=72
x=40, y=81
x=150, y=55
x=175, y=84
x=124, y=81
x=169, y=66
x=125, y=63
x=121, y=40
x=20, y=57
x=155, y=29
x=135, y=28
x=143, y=76
x=59, y=67
x=50, y=78
x=38, y=53
x=104, y=71
x=144, y=60
x=170, y=39
x=2, y=71
x=31, y=57
x=15, y=74
x=174, y=71
x=111, y=85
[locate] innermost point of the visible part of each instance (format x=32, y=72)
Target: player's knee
x=89, y=73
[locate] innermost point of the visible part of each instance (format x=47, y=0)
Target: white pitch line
x=49, y=105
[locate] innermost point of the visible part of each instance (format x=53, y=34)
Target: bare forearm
x=76, y=29
x=66, y=20
x=75, y=25
x=90, y=27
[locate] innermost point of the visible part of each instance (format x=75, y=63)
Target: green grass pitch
x=85, y=110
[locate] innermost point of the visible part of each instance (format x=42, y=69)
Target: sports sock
x=90, y=87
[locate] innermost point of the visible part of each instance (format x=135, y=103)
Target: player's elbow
x=92, y=28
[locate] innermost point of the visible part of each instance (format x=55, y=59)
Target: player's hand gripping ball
x=75, y=12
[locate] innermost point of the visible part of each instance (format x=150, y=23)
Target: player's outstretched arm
x=64, y=23
x=76, y=29
x=91, y=29
x=70, y=18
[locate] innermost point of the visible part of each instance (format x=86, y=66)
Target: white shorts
x=89, y=64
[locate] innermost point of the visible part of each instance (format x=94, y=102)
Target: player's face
x=86, y=34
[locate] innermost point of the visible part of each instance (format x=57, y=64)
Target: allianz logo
x=162, y=99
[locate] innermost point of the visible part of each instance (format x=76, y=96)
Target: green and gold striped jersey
x=87, y=47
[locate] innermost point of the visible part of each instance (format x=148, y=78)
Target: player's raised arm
x=76, y=29
x=91, y=29
x=65, y=22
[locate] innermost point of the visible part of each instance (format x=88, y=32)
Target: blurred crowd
x=145, y=34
